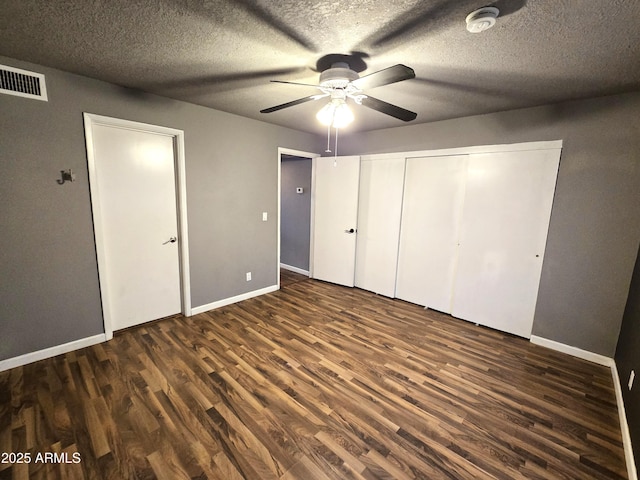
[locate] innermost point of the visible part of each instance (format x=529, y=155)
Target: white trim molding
x=573, y=351
x=294, y=269
x=607, y=362
x=228, y=301
x=51, y=352
x=297, y=153
x=511, y=147
x=624, y=426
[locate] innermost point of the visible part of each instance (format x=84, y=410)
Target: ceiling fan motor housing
x=482, y=19
x=338, y=76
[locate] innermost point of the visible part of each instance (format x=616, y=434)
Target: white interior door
x=504, y=231
x=133, y=186
x=431, y=214
x=379, y=212
x=335, y=218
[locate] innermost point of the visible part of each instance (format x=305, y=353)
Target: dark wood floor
x=312, y=382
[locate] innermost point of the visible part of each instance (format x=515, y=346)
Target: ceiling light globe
x=342, y=116
x=326, y=114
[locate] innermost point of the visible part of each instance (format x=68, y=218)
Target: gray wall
x=295, y=217
x=595, y=224
x=49, y=292
x=628, y=358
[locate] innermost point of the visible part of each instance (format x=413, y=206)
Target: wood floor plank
x=313, y=382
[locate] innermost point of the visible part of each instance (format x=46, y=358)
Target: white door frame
x=181, y=195
x=297, y=153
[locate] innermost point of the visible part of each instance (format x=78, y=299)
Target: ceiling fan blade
x=389, y=109
x=394, y=74
x=293, y=103
x=295, y=83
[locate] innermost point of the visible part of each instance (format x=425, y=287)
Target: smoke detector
x=482, y=19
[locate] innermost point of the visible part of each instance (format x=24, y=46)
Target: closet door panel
x=379, y=210
x=504, y=230
x=431, y=215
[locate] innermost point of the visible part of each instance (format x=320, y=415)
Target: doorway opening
x=295, y=212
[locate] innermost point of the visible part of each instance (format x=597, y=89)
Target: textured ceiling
x=222, y=53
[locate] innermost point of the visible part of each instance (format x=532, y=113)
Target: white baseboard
x=294, y=269
x=51, y=352
x=230, y=300
x=607, y=362
x=573, y=351
x=624, y=426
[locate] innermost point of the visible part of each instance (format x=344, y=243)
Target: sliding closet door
x=379, y=210
x=431, y=214
x=504, y=231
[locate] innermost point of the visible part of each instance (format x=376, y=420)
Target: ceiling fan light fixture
x=482, y=19
x=335, y=113
x=343, y=116
x=325, y=114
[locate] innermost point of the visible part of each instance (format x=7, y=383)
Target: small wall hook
x=67, y=176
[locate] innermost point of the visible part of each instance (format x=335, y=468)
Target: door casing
x=296, y=153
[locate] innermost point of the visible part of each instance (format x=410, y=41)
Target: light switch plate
x=264, y=216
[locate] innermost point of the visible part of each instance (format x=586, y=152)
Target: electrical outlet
x=631, y=377
x=265, y=216
x=248, y=276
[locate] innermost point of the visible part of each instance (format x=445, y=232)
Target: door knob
x=351, y=230
x=171, y=240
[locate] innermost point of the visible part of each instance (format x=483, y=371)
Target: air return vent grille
x=22, y=83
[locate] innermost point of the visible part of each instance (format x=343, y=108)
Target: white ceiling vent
x=22, y=83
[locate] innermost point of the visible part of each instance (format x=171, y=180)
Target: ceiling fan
x=339, y=82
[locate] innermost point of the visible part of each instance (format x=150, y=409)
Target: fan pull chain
x=328, y=150
x=335, y=151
